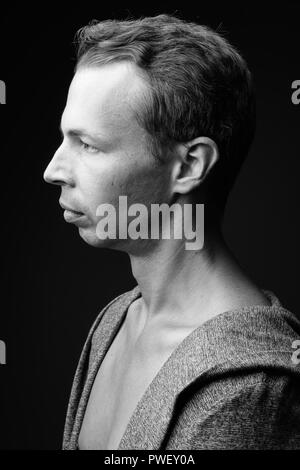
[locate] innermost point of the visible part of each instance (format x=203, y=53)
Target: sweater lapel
x=91, y=358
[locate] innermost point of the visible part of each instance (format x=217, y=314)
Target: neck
x=174, y=280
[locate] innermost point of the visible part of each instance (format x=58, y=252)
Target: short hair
x=199, y=85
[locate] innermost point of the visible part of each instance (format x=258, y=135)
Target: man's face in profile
x=105, y=153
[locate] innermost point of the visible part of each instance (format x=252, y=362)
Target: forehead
x=104, y=97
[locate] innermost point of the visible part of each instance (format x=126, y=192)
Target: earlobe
x=198, y=157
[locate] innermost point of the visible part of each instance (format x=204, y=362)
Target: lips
x=70, y=209
x=74, y=217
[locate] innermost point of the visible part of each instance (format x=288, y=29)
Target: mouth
x=74, y=212
x=70, y=215
x=69, y=209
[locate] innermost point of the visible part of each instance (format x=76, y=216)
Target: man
x=196, y=356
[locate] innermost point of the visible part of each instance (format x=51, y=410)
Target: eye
x=87, y=147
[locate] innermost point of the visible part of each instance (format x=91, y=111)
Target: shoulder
x=251, y=410
x=250, y=337
x=245, y=391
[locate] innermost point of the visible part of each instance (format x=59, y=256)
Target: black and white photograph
x=150, y=176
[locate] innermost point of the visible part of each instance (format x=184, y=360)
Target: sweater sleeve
x=260, y=415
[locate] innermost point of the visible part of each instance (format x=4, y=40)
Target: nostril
x=50, y=175
x=57, y=173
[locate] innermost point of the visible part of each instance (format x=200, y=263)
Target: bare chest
x=122, y=379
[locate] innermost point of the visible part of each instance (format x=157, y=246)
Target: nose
x=58, y=170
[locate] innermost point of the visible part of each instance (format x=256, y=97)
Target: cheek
x=97, y=180
x=145, y=185
x=141, y=183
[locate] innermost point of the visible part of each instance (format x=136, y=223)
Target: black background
x=54, y=284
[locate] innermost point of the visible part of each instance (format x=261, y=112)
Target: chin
x=91, y=238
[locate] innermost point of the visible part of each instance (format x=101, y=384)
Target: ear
x=195, y=160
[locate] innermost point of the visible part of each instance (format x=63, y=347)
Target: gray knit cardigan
x=232, y=383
